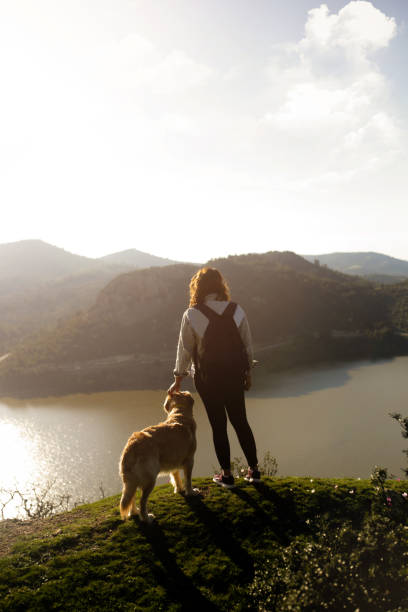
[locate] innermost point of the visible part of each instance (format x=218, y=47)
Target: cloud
x=333, y=115
x=343, y=44
x=358, y=26
x=136, y=65
x=149, y=124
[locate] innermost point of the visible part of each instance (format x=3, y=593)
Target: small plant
x=38, y=501
x=403, y=422
x=268, y=466
x=6, y=497
x=393, y=503
x=102, y=490
x=379, y=477
x=238, y=466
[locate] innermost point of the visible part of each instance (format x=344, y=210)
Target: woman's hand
x=175, y=387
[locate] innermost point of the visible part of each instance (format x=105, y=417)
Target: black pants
x=222, y=400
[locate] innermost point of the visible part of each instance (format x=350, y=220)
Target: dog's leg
x=134, y=510
x=188, y=470
x=146, y=490
x=127, y=499
x=176, y=481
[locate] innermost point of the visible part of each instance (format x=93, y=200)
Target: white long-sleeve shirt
x=193, y=326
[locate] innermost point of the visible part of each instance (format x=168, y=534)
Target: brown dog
x=163, y=448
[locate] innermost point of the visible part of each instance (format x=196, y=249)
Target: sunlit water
x=326, y=421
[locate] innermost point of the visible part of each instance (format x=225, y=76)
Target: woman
x=222, y=389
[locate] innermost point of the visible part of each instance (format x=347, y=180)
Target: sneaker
x=253, y=475
x=224, y=481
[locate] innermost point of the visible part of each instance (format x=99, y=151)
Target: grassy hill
x=284, y=544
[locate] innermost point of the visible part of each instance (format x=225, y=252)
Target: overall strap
x=211, y=314
x=207, y=311
x=230, y=310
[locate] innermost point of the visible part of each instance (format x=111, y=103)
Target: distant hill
x=41, y=284
x=27, y=263
x=41, y=306
x=136, y=259
x=380, y=268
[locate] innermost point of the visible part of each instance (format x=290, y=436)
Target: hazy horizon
x=212, y=257
x=199, y=130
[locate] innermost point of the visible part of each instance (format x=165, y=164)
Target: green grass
x=200, y=553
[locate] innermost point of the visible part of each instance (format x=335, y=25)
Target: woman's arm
x=185, y=351
x=245, y=333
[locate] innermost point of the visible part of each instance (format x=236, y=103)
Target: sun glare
x=17, y=463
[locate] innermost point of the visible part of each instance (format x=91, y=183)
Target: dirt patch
x=13, y=530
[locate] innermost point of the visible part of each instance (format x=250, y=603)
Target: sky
x=196, y=129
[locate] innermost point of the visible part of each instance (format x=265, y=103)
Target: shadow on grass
x=179, y=587
x=285, y=510
x=220, y=532
x=262, y=517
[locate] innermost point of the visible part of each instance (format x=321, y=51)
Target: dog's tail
x=128, y=493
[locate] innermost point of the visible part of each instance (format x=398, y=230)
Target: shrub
x=344, y=568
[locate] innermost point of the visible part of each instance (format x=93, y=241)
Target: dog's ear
x=189, y=398
x=167, y=403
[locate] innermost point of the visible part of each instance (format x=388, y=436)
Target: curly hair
x=206, y=281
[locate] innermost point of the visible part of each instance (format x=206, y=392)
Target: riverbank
x=140, y=372
x=327, y=349
x=211, y=552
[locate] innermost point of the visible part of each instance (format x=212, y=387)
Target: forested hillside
x=134, y=322
x=40, y=307
x=373, y=265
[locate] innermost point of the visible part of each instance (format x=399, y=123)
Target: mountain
x=127, y=338
x=139, y=312
x=375, y=265
x=27, y=263
x=136, y=259
x=41, y=284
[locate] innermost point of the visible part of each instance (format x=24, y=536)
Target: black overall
x=222, y=397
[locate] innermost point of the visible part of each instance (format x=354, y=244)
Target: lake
x=327, y=421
